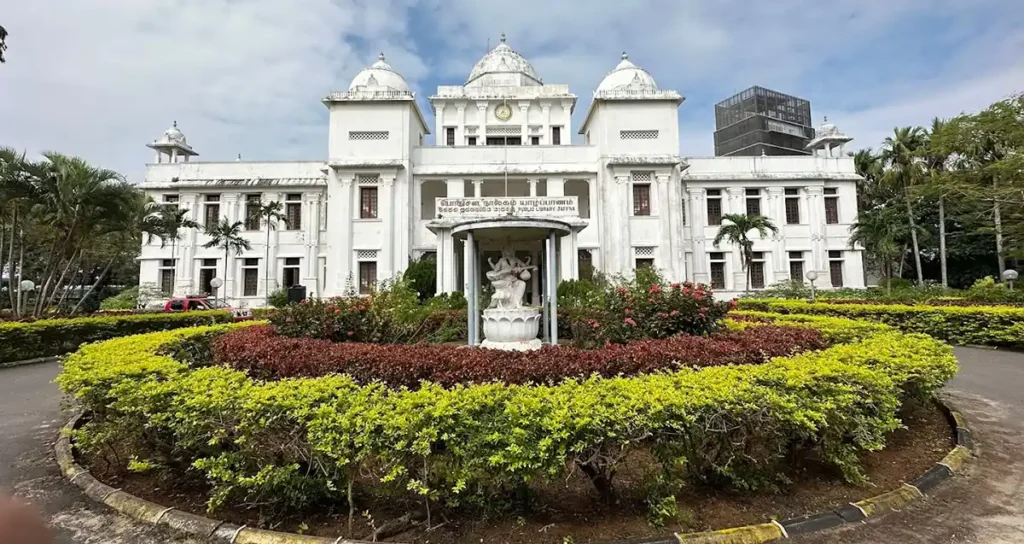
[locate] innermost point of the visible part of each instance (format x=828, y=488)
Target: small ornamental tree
x=735, y=228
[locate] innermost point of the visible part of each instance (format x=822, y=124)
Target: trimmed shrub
x=836, y=330
x=48, y=337
x=298, y=442
x=263, y=354
x=983, y=325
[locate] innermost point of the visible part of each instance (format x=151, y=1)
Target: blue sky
x=100, y=79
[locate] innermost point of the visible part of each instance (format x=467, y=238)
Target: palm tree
x=869, y=166
x=735, y=228
x=271, y=214
x=228, y=235
x=3, y=44
x=880, y=232
x=170, y=223
x=904, y=171
x=935, y=162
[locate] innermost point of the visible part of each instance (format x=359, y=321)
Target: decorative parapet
x=359, y=95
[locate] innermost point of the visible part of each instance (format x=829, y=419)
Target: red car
x=199, y=303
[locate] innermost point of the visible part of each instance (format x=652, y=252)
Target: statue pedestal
x=511, y=329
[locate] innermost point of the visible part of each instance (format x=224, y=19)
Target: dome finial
x=826, y=118
x=175, y=123
x=380, y=57
x=503, y=37
x=625, y=56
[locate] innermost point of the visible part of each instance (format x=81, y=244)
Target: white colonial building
x=384, y=197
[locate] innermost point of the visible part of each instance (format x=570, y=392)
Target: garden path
x=986, y=507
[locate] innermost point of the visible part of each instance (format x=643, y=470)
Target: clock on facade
x=503, y=112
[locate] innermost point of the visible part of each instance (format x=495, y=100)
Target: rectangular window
x=796, y=266
x=471, y=140
x=170, y=202
x=367, y=202
x=835, y=267
x=644, y=263
x=291, y=272
x=534, y=140
x=753, y=201
x=167, y=281
x=212, y=211
x=714, y=211
x=792, y=206
x=252, y=212
x=206, y=275
x=449, y=136
x=250, y=277
x=641, y=199
x=293, y=211
x=367, y=276
x=717, y=270
x=757, y=271
x=832, y=210
x=556, y=135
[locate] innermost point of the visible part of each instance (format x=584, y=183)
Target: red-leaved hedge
x=263, y=354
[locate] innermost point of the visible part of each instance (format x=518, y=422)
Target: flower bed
x=296, y=443
x=261, y=353
x=48, y=337
x=982, y=325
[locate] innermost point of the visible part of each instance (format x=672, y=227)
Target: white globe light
x=216, y=283
x=812, y=275
x=1010, y=275
x=27, y=285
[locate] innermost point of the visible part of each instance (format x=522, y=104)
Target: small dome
x=627, y=76
x=504, y=60
x=379, y=76
x=827, y=129
x=173, y=135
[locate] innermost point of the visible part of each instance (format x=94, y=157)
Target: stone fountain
x=508, y=325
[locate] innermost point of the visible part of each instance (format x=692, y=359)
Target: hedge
x=49, y=337
x=297, y=443
x=981, y=325
x=836, y=330
x=263, y=354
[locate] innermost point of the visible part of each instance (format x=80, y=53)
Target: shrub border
x=211, y=530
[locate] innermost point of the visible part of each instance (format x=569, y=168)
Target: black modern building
x=760, y=121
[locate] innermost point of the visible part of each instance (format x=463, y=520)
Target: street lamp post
x=216, y=283
x=25, y=286
x=1010, y=276
x=811, y=276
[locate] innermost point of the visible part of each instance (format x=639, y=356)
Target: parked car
x=198, y=303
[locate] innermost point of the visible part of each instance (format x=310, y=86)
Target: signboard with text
x=504, y=206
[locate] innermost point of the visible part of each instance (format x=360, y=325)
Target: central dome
x=503, y=61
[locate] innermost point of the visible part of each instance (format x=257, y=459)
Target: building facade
x=376, y=202
x=760, y=121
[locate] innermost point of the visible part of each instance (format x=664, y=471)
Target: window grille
x=366, y=254
x=644, y=251
x=367, y=135
x=638, y=134
x=642, y=177
x=504, y=129
x=367, y=179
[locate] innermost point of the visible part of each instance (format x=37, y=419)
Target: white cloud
x=101, y=79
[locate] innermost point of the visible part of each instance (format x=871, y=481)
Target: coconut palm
x=880, y=232
x=735, y=228
x=869, y=166
x=170, y=222
x=936, y=163
x=228, y=235
x=270, y=214
x=904, y=170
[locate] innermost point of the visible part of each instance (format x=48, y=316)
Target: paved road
x=986, y=507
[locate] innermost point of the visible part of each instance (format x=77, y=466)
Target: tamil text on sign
x=515, y=206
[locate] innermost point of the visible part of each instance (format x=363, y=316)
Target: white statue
x=508, y=276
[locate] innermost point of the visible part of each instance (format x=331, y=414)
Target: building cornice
x=234, y=183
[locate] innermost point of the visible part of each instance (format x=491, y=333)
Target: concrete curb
x=37, y=360
x=218, y=531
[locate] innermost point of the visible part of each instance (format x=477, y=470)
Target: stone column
x=816, y=219
x=310, y=235
x=174, y=154
x=460, y=128
x=482, y=116
x=552, y=289
x=439, y=124
x=533, y=186
x=184, y=268
x=230, y=202
x=567, y=128
x=385, y=212
x=568, y=257
x=663, y=207
x=698, y=218
x=342, y=250
x=676, y=205
x=524, y=122
x=777, y=213
x=535, y=279
x=545, y=116
x=478, y=188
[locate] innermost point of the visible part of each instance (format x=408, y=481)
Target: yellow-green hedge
x=981, y=325
x=48, y=337
x=297, y=442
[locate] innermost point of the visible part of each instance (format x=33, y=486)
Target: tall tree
x=227, y=236
x=904, y=170
x=270, y=214
x=936, y=163
x=869, y=166
x=735, y=230
x=881, y=232
x=171, y=221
